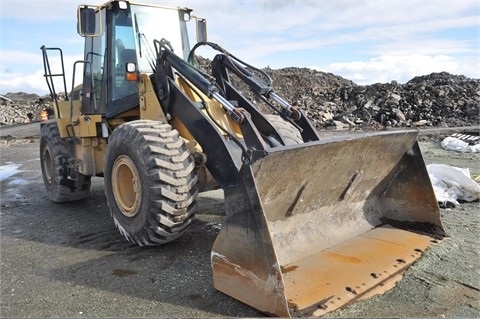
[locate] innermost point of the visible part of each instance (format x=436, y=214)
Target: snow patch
x=7, y=171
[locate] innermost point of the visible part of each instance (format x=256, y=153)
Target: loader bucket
x=315, y=226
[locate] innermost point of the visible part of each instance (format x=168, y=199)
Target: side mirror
x=86, y=23
x=201, y=30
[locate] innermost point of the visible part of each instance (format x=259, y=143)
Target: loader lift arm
x=226, y=62
x=226, y=156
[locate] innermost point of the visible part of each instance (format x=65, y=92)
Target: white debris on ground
x=455, y=144
x=452, y=184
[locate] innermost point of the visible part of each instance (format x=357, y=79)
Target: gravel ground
x=68, y=260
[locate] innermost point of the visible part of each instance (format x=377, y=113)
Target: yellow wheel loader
x=312, y=223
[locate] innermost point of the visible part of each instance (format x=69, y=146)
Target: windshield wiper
x=141, y=37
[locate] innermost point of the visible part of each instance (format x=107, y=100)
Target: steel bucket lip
x=328, y=138
x=358, y=273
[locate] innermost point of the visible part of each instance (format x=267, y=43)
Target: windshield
x=153, y=23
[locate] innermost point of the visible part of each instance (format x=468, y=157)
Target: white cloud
x=259, y=31
x=42, y=10
x=10, y=57
x=401, y=68
x=12, y=80
x=363, y=14
x=376, y=41
x=427, y=46
x=18, y=82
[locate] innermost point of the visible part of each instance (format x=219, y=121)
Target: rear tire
x=287, y=131
x=57, y=158
x=150, y=182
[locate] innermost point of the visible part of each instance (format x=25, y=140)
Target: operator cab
x=119, y=39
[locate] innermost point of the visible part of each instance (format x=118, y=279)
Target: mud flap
x=315, y=226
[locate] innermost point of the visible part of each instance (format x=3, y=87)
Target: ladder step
x=472, y=139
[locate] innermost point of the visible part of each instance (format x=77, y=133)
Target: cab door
x=122, y=93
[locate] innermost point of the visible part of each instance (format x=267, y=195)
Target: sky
x=375, y=41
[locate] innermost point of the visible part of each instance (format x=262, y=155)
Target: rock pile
x=438, y=99
x=20, y=107
x=332, y=102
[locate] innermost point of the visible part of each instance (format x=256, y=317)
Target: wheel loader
x=312, y=222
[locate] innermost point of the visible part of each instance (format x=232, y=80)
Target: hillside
x=332, y=102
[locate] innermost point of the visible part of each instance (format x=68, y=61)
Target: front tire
x=289, y=133
x=150, y=182
x=57, y=160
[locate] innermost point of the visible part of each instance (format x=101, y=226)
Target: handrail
x=49, y=76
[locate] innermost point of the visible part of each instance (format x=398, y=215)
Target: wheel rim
x=47, y=164
x=126, y=186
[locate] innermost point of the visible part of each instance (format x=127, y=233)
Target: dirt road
x=68, y=260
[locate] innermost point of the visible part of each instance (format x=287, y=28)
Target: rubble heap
x=438, y=99
x=332, y=102
x=19, y=108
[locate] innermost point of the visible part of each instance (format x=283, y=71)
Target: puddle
x=18, y=182
x=123, y=272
